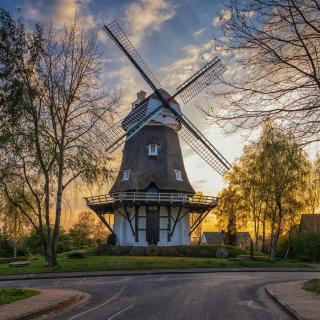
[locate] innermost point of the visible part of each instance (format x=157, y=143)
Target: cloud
x=129, y=81
x=199, y=32
x=64, y=9
x=225, y=15
x=146, y=16
x=57, y=12
x=194, y=57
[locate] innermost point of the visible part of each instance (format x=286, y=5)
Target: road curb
x=117, y=273
x=51, y=308
x=284, y=305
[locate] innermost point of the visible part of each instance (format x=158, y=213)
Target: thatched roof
x=310, y=222
x=148, y=170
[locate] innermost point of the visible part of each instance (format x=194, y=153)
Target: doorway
x=152, y=225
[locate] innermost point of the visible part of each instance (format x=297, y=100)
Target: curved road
x=229, y=295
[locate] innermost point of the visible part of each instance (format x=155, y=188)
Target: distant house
x=243, y=238
x=310, y=222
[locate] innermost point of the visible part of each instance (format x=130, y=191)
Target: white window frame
x=126, y=175
x=178, y=174
x=152, y=152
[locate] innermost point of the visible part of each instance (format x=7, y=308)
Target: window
x=125, y=175
x=178, y=175
x=152, y=149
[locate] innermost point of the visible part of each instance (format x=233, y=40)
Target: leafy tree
x=87, y=230
x=55, y=133
x=284, y=172
x=31, y=242
x=267, y=186
x=313, y=187
x=230, y=211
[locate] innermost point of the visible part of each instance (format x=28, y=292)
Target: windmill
x=152, y=197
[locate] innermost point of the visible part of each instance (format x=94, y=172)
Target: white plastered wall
x=125, y=236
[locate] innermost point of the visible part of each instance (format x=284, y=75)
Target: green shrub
x=78, y=254
x=121, y=250
x=312, y=285
x=169, y=251
x=8, y=260
x=104, y=250
x=152, y=250
x=203, y=251
x=137, y=251
x=112, y=239
x=303, y=245
x=8, y=295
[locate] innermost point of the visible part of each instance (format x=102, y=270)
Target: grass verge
x=100, y=263
x=312, y=285
x=8, y=295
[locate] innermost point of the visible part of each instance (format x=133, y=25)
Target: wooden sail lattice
x=207, y=152
x=126, y=128
x=118, y=36
x=201, y=79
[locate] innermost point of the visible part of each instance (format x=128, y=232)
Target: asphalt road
x=176, y=296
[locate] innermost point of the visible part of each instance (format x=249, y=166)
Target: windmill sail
x=203, y=147
x=120, y=39
x=127, y=127
x=200, y=80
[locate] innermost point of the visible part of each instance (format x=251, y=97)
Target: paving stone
x=48, y=300
x=301, y=303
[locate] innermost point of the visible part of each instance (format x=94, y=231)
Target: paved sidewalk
x=112, y=273
x=302, y=304
x=49, y=300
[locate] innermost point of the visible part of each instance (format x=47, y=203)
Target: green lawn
x=10, y=295
x=94, y=263
x=312, y=285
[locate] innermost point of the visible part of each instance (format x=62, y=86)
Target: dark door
x=152, y=226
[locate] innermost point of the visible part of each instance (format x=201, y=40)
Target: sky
x=174, y=38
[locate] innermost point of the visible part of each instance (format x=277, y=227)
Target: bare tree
x=59, y=137
x=273, y=48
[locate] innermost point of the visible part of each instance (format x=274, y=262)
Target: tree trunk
x=48, y=252
x=55, y=236
x=274, y=242
x=263, y=245
x=288, y=249
x=15, y=236
x=256, y=232
x=273, y=222
x=14, y=244
x=232, y=233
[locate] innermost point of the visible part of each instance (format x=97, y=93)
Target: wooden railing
x=148, y=197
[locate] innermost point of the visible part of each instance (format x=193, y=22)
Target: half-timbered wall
x=170, y=232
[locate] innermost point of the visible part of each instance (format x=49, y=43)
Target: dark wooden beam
x=202, y=216
x=175, y=221
x=105, y=222
x=136, y=223
x=129, y=220
x=169, y=223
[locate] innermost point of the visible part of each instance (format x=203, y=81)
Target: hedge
x=204, y=251
x=303, y=245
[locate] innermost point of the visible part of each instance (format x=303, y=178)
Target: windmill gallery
x=152, y=198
